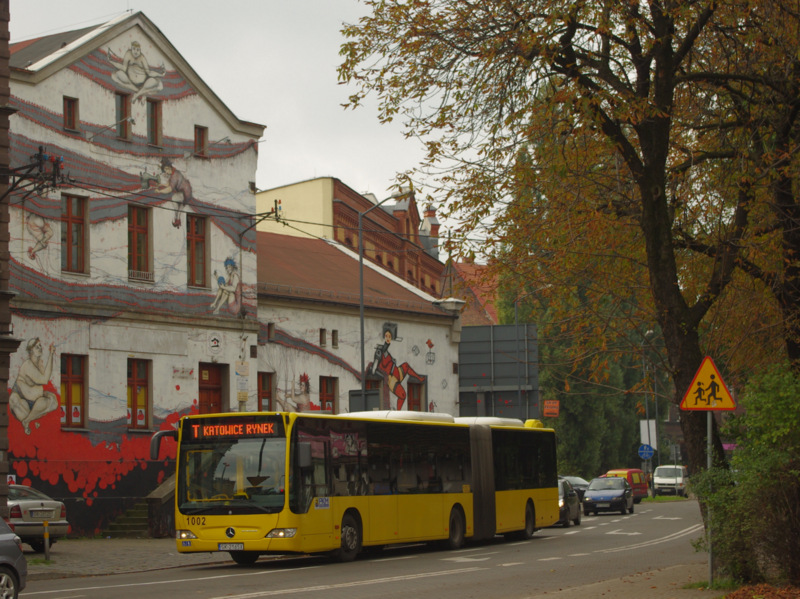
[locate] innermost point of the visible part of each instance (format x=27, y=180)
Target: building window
x=154, y=135
x=265, y=392
x=73, y=232
x=71, y=118
x=335, y=338
x=139, y=244
x=123, y=102
x=200, y=140
x=415, y=397
x=73, y=390
x=323, y=337
x=270, y=331
x=138, y=394
x=327, y=393
x=196, y=249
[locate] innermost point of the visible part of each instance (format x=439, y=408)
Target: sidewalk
x=96, y=557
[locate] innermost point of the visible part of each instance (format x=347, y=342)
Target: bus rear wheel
x=530, y=522
x=351, y=540
x=455, y=540
x=244, y=558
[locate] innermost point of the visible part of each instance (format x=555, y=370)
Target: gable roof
x=35, y=60
x=324, y=271
x=25, y=54
x=472, y=283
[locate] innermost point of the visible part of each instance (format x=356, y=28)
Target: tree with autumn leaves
x=634, y=162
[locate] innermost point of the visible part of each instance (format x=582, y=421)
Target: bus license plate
x=230, y=547
x=603, y=505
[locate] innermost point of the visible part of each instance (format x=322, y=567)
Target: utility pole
x=8, y=345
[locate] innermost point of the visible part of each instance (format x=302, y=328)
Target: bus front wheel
x=455, y=539
x=351, y=540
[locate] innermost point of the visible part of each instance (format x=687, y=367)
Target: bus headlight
x=560, y=502
x=281, y=533
x=185, y=534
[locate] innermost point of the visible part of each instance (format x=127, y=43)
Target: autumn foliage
x=637, y=161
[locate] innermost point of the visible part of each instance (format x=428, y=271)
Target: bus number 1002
x=196, y=520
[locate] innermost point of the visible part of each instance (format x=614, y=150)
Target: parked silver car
x=13, y=567
x=29, y=509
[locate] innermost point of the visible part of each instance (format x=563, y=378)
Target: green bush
x=755, y=506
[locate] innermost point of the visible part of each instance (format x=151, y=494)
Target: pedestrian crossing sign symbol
x=708, y=391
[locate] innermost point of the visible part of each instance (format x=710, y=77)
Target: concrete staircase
x=133, y=524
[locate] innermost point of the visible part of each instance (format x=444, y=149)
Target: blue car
x=608, y=494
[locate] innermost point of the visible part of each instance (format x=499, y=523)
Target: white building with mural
x=132, y=259
x=310, y=349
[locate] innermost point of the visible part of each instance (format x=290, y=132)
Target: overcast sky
x=273, y=62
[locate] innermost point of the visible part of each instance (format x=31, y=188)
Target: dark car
x=608, y=494
x=13, y=567
x=578, y=484
x=569, y=505
x=29, y=509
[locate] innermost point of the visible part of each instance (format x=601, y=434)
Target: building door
x=210, y=388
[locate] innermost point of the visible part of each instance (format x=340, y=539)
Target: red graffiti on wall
x=87, y=468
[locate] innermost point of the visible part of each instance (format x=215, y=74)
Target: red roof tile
x=316, y=270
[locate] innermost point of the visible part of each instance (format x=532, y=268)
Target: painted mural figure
x=134, y=72
x=41, y=231
x=28, y=398
x=386, y=365
x=173, y=182
x=298, y=401
x=229, y=290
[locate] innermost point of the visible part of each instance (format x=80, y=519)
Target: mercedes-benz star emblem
x=230, y=533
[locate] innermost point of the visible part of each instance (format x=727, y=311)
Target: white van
x=670, y=480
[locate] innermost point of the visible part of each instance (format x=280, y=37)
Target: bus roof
x=401, y=415
x=489, y=420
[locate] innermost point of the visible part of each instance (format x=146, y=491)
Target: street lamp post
x=644, y=393
x=361, y=293
x=655, y=401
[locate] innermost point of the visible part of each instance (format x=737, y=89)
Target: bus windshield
x=229, y=473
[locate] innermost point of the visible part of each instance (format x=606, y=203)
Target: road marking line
x=619, y=532
x=470, y=558
x=344, y=585
x=164, y=582
x=672, y=537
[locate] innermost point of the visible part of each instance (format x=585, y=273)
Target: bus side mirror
x=155, y=441
x=304, y=455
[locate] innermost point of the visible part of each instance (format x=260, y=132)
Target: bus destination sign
x=234, y=428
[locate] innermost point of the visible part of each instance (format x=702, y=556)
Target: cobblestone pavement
x=96, y=557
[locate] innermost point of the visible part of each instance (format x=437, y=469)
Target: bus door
x=311, y=496
x=383, y=497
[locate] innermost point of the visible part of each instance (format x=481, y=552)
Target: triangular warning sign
x=708, y=390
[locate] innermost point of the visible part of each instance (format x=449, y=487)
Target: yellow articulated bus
x=261, y=483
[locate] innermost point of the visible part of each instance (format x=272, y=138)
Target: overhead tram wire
x=110, y=192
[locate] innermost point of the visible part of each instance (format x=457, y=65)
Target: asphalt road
x=609, y=546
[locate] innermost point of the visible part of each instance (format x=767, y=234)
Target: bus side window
x=379, y=476
x=452, y=475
